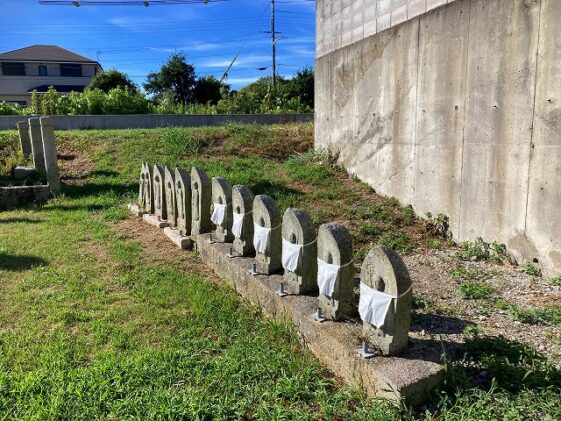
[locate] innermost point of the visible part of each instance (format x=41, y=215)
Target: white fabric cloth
x=290, y=255
x=260, y=237
x=237, y=224
x=327, y=275
x=218, y=214
x=373, y=305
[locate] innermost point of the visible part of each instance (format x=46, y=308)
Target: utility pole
x=273, y=34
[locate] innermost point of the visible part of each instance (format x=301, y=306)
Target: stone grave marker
x=385, y=300
x=201, y=195
x=49, y=150
x=139, y=207
x=159, y=218
x=169, y=189
x=299, y=252
x=267, y=235
x=336, y=272
x=183, y=199
x=222, y=209
x=37, y=145
x=147, y=201
x=24, y=139
x=242, y=224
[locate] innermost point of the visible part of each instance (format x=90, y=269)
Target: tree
x=176, y=77
x=302, y=86
x=208, y=89
x=110, y=80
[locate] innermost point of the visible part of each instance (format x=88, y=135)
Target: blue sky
x=137, y=39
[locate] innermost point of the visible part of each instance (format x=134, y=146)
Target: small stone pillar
x=49, y=150
x=201, y=195
x=24, y=139
x=299, y=252
x=160, y=206
x=37, y=145
x=146, y=191
x=222, y=209
x=183, y=201
x=242, y=225
x=336, y=272
x=385, y=300
x=267, y=235
x=169, y=188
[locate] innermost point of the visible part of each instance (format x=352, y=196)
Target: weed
x=474, y=290
x=529, y=269
x=438, y=226
x=479, y=250
x=556, y=281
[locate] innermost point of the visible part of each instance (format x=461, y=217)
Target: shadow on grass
x=96, y=173
x=94, y=189
x=275, y=190
x=20, y=220
x=20, y=263
x=438, y=324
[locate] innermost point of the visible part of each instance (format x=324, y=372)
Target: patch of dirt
x=158, y=249
x=75, y=167
x=449, y=313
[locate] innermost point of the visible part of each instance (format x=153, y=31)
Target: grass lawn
x=95, y=324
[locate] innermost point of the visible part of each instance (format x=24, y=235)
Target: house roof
x=45, y=53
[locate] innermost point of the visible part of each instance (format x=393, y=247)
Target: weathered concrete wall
x=150, y=121
x=456, y=111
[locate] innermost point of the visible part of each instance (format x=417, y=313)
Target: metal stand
x=253, y=270
x=281, y=292
x=318, y=317
x=231, y=254
x=365, y=352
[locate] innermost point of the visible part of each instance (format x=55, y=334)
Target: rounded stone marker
x=298, y=229
x=201, y=194
x=160, y=207
x=183, y=201
x=335, y=256
x=171, y=205
x=222, y=196
x=383, y=271
x=242, y=204
x=266, y=215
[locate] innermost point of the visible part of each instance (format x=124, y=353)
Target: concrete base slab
x=11, y=197
x=153, y=220
x=177, y=239
x=21, y=173
x=411, y=375
x=135, y=209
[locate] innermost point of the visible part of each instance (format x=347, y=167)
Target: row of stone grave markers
x=188, y=204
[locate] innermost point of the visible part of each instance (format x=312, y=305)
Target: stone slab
x=153, y=220
x=11, y=197
x=135, y=209
x=179, y=240
x=21, y=173
x=410, y=375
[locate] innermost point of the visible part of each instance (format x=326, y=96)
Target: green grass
x=93, y=326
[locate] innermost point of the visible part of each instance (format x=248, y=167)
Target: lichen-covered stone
x=242, y=204
x=222, y=195
x=169, y=187
x=160, y=206
x=298, y=228
x=266, y=214
x=383, y=270
x=335, y=247
x=201, y=195
x=183, y=201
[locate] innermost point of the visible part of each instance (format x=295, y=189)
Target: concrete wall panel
x=543, y=226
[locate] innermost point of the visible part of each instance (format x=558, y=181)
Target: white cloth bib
x=290, y=255
x=373, y=305
x=237, y=224
x=218, y=214
x=327, y=275
x=260, y=237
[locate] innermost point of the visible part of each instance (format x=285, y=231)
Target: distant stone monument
x=267, y=235
x=385, y=300
x=169, y=188
x=242, y=220
x=37, y=145
x=159, y=218
x=222, y=209
x=299, y=252
x=201, y=194
x=183, y=199
x=336, y=272
x=24, y=139
x=49, y=150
